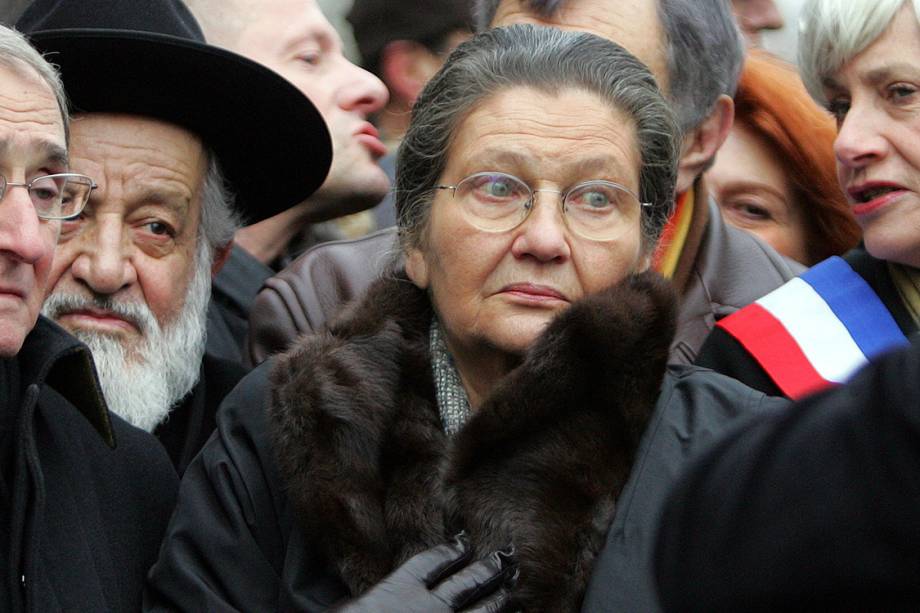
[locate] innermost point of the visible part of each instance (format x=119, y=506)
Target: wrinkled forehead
x=634, y=24
x=31, y=122
x=138, y=154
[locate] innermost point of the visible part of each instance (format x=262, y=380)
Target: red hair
x=772, y=102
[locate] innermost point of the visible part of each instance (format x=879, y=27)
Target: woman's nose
x=543, y=235
x=860, y=139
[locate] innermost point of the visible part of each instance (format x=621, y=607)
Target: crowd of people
x=632, y=322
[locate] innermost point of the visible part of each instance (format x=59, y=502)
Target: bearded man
x=132, y=276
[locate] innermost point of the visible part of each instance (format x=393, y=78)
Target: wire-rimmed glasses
x=58, y=196
x=498, y=202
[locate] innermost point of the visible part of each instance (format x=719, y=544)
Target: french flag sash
x=817, y=329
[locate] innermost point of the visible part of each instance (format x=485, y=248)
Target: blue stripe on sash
x=857, y=306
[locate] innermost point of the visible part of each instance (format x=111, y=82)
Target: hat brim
x=271, y=142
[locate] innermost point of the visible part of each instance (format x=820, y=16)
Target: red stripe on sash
x=775, y=350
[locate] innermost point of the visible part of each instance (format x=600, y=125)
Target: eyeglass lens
x=55, y=196
x=496, y=202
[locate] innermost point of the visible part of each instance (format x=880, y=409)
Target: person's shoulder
x=714, y=390
x=696, y=405
x=140, y=453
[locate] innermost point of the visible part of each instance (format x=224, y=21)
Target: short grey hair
x=548, y=60
x=17, y=54
x=219, y=219
x=832, y=32
x=705, y=50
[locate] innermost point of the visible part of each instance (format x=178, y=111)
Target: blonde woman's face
x=876, y=100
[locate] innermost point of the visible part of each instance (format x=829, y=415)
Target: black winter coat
x=350, y=472
x=813, y=509
x=192, y=421
x=89, y=495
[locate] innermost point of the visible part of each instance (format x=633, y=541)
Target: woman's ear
x=417, y=268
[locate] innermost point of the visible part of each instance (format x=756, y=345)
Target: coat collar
x=374, y=479
x=50, y=356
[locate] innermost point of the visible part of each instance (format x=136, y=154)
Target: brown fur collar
x=374, y=479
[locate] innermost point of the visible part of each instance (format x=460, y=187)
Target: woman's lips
x=862, y=209
x=534, y=293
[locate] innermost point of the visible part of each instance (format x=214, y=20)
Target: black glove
x=441, y=579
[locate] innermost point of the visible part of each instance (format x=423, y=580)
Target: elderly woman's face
x=500, y=289
x=876, y=98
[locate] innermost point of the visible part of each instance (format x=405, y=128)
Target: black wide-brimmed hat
x=148, y=57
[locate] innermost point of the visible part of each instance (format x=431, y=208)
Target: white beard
x=143, y=384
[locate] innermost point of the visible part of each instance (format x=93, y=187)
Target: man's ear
x=403, y=67
x=221, y=254
x=417, y=268
x=700, y=146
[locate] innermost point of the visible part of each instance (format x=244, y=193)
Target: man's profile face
x=135, y=241
x=32, y=144
x=293, y=38
x=634, y=24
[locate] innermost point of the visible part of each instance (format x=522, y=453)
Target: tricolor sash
x=817, y=329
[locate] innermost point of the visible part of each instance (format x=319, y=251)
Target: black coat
x=723, y=353
x=569, y=459
x=816, y=509
x=191, y=423
x=89, y=495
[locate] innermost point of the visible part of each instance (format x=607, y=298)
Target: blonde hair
x=832, y=32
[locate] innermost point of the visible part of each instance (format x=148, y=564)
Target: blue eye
x=496, y=188
x=499, y=188
x=596, y=199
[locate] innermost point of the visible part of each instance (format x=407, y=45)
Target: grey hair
x=16, y=54
x=548, y=60
x=219, y=219
x=832, y=32
x=705, y=50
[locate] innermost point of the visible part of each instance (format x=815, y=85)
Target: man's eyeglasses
x=58, y=196
x=498, y=202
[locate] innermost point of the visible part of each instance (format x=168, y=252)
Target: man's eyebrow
x=172, y=199
x=52, y=152
x=318, y=36
x=55, y=153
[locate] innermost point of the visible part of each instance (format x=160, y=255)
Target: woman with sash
x=862, y=62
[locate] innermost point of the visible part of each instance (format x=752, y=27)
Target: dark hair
x=377, y=23
x=704, y=50
x=549, y=60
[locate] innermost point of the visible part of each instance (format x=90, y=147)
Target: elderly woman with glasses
x=508, y=383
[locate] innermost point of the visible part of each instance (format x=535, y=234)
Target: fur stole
x=374, y=479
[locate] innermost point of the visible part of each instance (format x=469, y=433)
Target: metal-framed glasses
x=57, y=196
x=498, y=202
